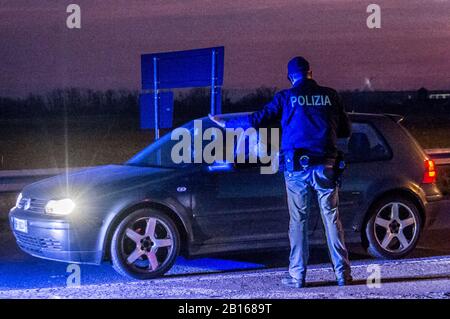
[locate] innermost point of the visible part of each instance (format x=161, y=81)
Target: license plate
x=20, y=225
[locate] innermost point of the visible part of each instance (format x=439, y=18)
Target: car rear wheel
x=145, y=245
x=393, y=228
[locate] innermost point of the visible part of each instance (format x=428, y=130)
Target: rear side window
x=364, y=145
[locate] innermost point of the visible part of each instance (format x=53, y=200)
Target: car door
x=236, y=203
x=240, y=204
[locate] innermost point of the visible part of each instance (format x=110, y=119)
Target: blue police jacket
x=312, y=117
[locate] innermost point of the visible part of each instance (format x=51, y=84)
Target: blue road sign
x=165, y=113
x=183, y=69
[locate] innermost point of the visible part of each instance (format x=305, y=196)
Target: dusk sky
x=38, y=52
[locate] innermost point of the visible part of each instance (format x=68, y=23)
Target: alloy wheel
x=147, y=244
x=395, y=227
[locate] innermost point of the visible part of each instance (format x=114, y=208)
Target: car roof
x=368, y=116
x=352, y=115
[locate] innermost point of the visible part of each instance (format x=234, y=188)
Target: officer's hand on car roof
x=216, y=119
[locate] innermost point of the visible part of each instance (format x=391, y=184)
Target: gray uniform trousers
x=300, y=186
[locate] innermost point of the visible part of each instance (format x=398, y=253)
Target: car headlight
x=60, y=207
x=19, y=198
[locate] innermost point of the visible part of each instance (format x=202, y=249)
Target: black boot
x=344, y=281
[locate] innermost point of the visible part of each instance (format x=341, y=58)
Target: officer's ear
x=309, y=75
x=291, y=79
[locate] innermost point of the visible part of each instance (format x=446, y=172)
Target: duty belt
x=297, y=160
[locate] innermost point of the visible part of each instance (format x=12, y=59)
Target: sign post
x=156, y=96
x=215, y=90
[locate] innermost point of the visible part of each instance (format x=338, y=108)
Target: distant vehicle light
x=429, y=175
x=60, y=207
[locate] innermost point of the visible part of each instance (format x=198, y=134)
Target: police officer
x=312, y=117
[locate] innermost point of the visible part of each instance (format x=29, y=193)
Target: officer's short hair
x=298, y=65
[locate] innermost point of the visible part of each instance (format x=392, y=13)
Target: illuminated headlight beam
x=60, y=207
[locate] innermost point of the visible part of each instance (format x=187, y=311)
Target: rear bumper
x=437, y=214
x=54, y=239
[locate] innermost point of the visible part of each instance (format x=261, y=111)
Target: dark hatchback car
x=141, y=215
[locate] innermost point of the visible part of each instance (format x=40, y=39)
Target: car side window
x=256, y=147
x=364, y=145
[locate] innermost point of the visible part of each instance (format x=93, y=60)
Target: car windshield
x=159, y=153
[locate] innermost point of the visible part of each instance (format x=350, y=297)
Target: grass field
x=37, y=143
x=46, y=144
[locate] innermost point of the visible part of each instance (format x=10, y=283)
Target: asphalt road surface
x=425, y=274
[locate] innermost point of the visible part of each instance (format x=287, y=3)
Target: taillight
x=429, y=176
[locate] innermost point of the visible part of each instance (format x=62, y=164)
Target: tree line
x=194, y=103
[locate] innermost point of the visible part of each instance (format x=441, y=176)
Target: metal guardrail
x=14, y=181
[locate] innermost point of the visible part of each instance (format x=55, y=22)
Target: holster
x=339, y=168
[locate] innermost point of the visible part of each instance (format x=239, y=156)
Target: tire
x=145, y=245
x=393, y=228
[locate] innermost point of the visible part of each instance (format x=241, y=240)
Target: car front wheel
x=145, y=245
x=393, y=228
